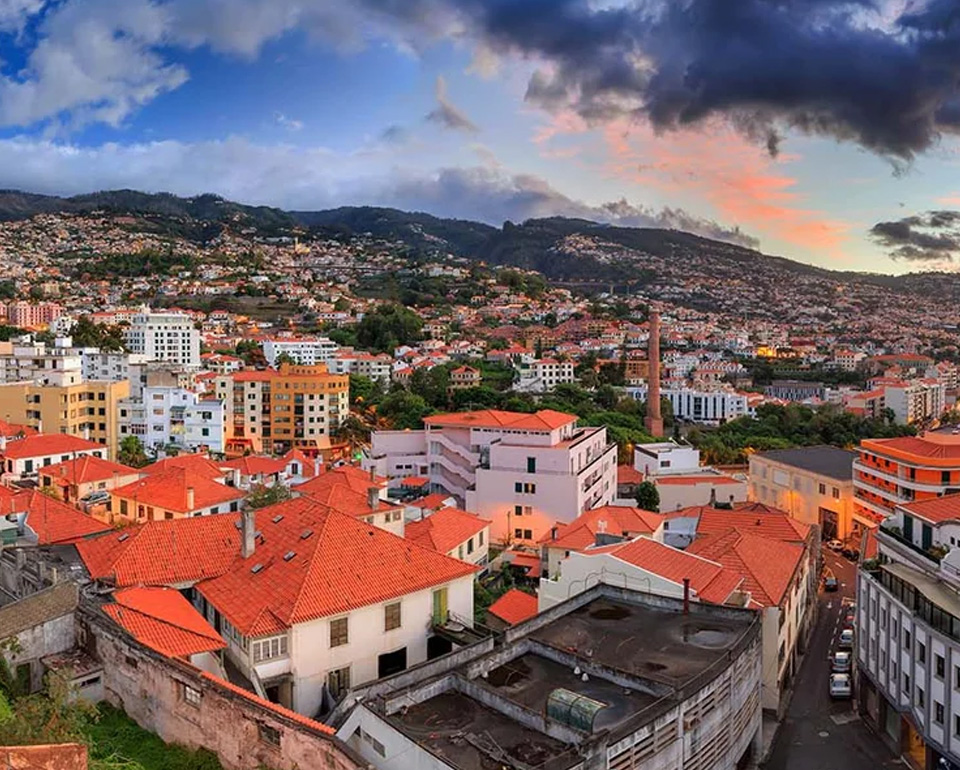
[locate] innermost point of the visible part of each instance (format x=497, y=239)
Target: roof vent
x=278, y=518
x=305, y=534
x=123, y=537
x=238, y=524
x=256, y=568
x=289, y=555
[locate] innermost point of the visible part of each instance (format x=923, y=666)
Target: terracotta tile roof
x=46, y=444
x=255, y=465
x=349, y=476
x=11, y=430
x=316, y=562
x=708, y=578
x=307, y=464
x=526, y=561
x=169, y=490
x=515, y=606
x=627, y=474
x=414, y=481
x=767, y=565
x=431, y=502
x=50, y=519
x=917, y=447
x=85, y=469
x=165, y=552
x=198, y=463
x=869, y=547
x=164, y=620
x=252, y=375
x=936, y=510
x=445, y=530
x=545, y=419
x=617, y=520
x=756, y=518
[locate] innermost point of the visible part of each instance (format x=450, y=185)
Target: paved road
x=818, y=733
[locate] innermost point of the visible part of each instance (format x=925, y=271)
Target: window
x=906, y=683
x=939, y=665
x=480, y=538
x=518, y=534
x=530, y=489
x=268, y=649
x=835, y=493
x=938, y=713
x=338, y=632
x=956, y=725
x=123, y=507
x=518, y=487
x=391, y=616
x=921, y=652
x=376, y=745
x=822, y=489
x=906, y=638
x=920, y=697
x=528, y=534
x=531, y=465
x=460, y=552
x=339, y=681
x=190, y=695
x=470, y=545
x=268, y=734
x=518, y=510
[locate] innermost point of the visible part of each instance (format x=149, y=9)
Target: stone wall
x=184, y=705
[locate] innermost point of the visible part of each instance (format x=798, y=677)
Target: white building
x=916, y=401
x=305, y=351
x=375, y=367
x=171, y=415
x=544, y=374
x=908, y=631
x=23, y=458
x=524, y=472
x=681, y=481
x=164, y=337
x=709, y=407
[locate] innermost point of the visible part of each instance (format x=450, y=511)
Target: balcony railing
x=887, y=531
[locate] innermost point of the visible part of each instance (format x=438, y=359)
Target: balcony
x=891, y=536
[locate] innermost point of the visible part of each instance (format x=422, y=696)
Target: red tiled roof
x=169, y=490
x=766, y=564
x=46, y=444
x=11, y=430
x=164, y=620
x=255, y=465
x=415, y=481
x=349, y=476
x=431, y=502
x=252, y=375
x=53, y=521
x=617, y=520
x=316, y=562
x=869, y=549
x=936, y=510
x=307, y=465
x=445, y=530
x=515, y=606
x=87, y=468
x=755, y=518
x=627, y=474
x=916, y=446
x=198, y=463
x=165, y=552
x=283, y=711
x=545, y=419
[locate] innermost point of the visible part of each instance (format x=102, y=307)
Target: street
x=819, y=733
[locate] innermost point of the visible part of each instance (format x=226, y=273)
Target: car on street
x=851, y=553
x=841, y=662
x=834, y=545
x=846, y=639
x=849, y=618
x=840, y=686
x=830, y=582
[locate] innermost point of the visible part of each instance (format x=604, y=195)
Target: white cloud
x=288, y=123
x=13, y=13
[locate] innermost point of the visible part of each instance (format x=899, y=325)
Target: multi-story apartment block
x=908, y=632
x=86, y=409
x=916, y=401
x=545, y=374
x=375, y=367
x=165, y=416
x=524, y=472
x=892, y=471
x=165, y=337
x=710, y=407
x=813, y=484
x=295, y=407
x=305, y=351
x=32, y=315
x=795, y=390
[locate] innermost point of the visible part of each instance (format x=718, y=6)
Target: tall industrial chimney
x=654, y=420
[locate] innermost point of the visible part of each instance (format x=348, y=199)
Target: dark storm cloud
x=931, y=236
x=823, y=67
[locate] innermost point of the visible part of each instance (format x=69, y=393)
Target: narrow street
x=819, y=733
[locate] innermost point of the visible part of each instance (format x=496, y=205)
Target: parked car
x=849, y=618
x=846, y=639
x=840, y=686
x=835, y=545
x=100, y=496
x=830, y=582
x=851, y=553
x=841, y=662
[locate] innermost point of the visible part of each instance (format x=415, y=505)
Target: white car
x=846, y=639
x=841, y=662
x=835, y=545
x=840, y=686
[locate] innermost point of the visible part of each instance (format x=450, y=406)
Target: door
x=392, y=662
x=926, y=537
x=440, y=606
x=908, y=528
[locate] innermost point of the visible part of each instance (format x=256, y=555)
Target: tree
x=388, y=327
x=251, y=352
x=361, y=388
x=132, y=452
x=353, y=431
x=261, y=496
x=404, y=410
x=87, y=334
x=284, y=358
x=648, y=497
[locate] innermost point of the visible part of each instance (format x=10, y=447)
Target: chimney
x=190, y=498
x=373, y=474
x=654, y=421
x=373, y=497
x=248, y=533
x=686, y=596
x=713, y=497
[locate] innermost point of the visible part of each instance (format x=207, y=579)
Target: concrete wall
x=392, y=751
x=230, y=722
x=50, y=638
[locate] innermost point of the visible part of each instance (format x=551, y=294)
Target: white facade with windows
x=307, y=352
x=165, y=337
x=710, y=407
x=169, y=415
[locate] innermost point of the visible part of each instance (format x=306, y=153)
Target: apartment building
x=545, y=374
x=908, y=632
x=888, y=472
x=524, y=472
x=464, y=378
x=916, y=401
x=795, y=390
x=681, y=480
x=375, y=367
x=813, y=484
x=32, y=315
x=713, y=406
x=164, y=337
x=171, y=416
x=274, y=411
x=86, y=409
x=304, y=351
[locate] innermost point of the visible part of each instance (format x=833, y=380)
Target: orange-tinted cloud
x=739, y=180
x=953, y=199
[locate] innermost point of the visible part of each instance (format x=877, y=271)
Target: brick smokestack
x=654, y=421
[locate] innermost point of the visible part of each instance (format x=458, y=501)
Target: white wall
x=399, y=752
x=673, y=497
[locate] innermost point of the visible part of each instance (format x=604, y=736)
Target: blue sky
x=638, y=113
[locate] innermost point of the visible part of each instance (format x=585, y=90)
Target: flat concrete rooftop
x=644, y=641
x=468, y=735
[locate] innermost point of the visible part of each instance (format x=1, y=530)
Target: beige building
x=85, y=409
x=813, y=484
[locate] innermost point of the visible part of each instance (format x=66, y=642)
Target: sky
x=821, y=130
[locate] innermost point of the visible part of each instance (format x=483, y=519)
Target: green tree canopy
x=388, y=326
x=648, y=497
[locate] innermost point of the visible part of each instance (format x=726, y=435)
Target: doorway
x=392, y=662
